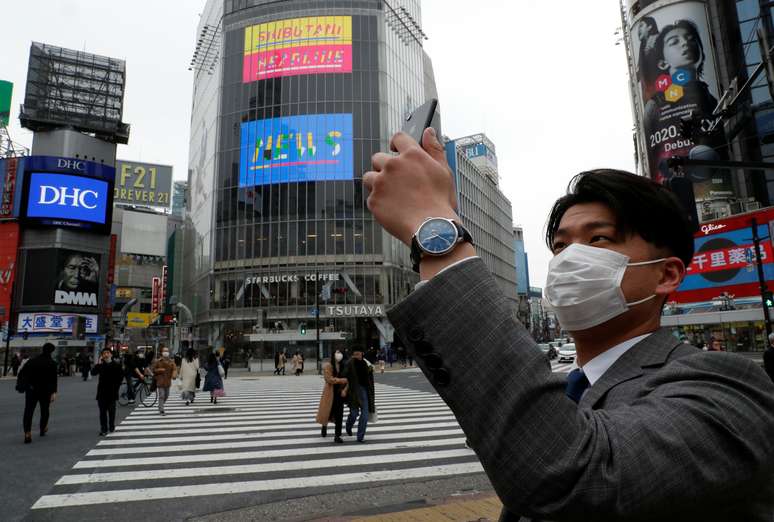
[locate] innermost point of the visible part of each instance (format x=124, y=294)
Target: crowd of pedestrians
x=37, y=379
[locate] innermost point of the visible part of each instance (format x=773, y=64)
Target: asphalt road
x=256, y=456
x=30, y=470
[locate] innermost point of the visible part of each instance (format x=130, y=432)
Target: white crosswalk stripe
x=561, y=367
x=262, y=437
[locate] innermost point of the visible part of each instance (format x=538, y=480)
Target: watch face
x=437, y=236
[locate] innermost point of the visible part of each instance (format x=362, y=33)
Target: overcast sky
x=544, y=80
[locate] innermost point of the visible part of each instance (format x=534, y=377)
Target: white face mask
x=165, y=354
x=584, y=286
x=339, y=356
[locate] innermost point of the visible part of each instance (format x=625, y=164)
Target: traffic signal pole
x=761, y=279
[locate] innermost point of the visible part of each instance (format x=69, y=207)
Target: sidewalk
x=481, y=507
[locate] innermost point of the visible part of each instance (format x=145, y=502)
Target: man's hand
x=53, y=397
x=406, y=189
x=89, y=270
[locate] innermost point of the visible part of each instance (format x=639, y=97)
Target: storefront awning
x=731, y=316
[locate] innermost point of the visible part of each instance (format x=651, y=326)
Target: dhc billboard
x=64, y=196
x=67, y=192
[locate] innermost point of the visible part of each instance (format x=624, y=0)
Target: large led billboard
x=315, y=147
x=724, y=259
x=294, y=46
x=58, y=277
x=675, y=69
x=67, y=200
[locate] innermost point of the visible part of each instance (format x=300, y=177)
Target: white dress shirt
x=596, y=367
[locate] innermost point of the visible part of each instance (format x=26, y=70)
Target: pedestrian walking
x=283, y=360
x=213, y=381
x=225, y=361
x=73, y=365
x=332, y=400
x=300, y=369
x=380, y=359
x=15, y=362
x=276, y=363
x=111, y=374
x=294, y=363
x=360, y=393
x=84, y=363
x=37, y=379
x=189, y=371
x=164, y=371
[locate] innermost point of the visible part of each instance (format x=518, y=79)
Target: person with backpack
x=37, y=380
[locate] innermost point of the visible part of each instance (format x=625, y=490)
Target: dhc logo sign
x=63, y=196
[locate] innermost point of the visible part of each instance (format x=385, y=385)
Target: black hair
x=212, y=360
x=691, y=28
x=106, y=349
x=641, y=206
x=189, y=355
x=48, y=349
x=651, y=23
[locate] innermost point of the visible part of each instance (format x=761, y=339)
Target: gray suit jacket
x=668, y=433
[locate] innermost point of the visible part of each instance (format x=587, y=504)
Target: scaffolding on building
x=75, y=90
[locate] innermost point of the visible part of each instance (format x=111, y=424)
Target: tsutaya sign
x=291, y=278
x=364, y=310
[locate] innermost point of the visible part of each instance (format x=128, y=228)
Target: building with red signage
x=721, y=295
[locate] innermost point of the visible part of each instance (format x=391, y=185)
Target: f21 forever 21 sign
x=59, y=277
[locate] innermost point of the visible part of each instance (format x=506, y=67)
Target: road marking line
x=299, y=465
x=283, y=442
x=300, y=415
x=248, y=411
x=258, y=454
x=198, y=490
x=253, y=443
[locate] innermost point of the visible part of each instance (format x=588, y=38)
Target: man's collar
x=596, y=367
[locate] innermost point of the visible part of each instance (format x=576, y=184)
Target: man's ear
x=671, y=276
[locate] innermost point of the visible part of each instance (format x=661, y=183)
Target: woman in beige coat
x=332, y=400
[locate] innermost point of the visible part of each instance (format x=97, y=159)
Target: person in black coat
x=111, y=374
x=768, y=358
x=38, y=381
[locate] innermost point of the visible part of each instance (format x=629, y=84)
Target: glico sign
x=724, y=259
x=67, y=192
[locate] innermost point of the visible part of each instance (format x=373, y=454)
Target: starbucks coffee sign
x=291, y=278
x=364, y=310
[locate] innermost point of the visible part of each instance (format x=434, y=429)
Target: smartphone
x=421, y=118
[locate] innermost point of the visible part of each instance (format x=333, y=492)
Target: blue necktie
x=577, y=383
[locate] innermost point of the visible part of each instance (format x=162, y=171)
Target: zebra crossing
x=562, y=367
x=261, y=439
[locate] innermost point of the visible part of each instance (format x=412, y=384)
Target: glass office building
x=291, y=100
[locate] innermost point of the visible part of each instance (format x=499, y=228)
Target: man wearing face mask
x=648, y=428
x=110, y=377
x=164, y=372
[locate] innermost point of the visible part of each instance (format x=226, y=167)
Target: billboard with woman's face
x=675, y=67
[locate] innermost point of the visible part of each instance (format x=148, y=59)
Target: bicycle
x=142, y=392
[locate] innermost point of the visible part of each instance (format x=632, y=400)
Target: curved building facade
x=291, y=100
